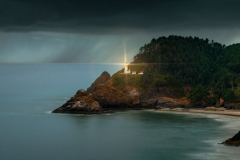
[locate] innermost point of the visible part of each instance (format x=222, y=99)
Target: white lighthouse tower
x=126, y=70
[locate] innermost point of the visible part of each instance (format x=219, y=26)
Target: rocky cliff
x=81, y=102
x=110, y=97
x=100, y=80
x=102, y=98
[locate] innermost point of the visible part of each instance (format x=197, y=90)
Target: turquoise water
x=29, y=131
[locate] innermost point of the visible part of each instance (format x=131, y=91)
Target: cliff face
x=173, y=103
x=103, y=98
x=100, y=80
x=110, y=97
x=81, y=102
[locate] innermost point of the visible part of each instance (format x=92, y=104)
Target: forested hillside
x=209, y=69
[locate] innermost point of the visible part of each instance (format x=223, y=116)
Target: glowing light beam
x=125, y=51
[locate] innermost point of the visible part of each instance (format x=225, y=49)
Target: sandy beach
x=223, y=112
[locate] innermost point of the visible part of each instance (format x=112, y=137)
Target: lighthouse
x=126, y=70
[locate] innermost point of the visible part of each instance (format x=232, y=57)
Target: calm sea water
x=28, y=92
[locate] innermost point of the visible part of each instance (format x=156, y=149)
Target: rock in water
x=81, y=102
x=110, y=97
x=100, y=80
x=234, y=141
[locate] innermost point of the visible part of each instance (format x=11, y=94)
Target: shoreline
x=235, y=113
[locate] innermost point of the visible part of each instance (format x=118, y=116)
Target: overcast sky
x=93, y=31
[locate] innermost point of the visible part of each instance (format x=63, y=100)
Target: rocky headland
x=100, y=97
x=160, y=76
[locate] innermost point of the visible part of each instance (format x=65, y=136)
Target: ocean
x=28, y=129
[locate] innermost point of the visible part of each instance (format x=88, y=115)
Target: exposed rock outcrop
x=100, y=80
x=103, y=99
x=110, y=97
x=234, y=141
x=149, y=103
x=81, y=102
x=132, y=91
x=166, y=102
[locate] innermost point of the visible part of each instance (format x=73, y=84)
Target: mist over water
x=29, y=131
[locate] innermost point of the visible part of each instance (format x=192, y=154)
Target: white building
x=126, y=69
x=141, y=72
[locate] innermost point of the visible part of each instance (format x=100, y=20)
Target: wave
x=48, y=112
x=230, y=126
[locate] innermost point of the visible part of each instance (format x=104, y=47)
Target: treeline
x=208, y=67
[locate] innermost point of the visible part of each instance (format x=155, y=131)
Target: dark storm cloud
x=88, y=16
x=100, y=31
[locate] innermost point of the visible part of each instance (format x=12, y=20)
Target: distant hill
x=189, y=67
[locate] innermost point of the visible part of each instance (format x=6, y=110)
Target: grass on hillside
x=121, y=80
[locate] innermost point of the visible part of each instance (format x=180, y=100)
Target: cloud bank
x=91, y=31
